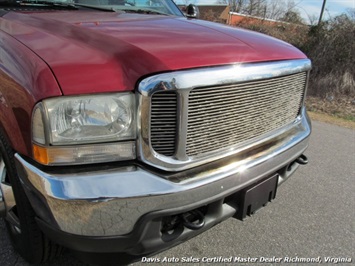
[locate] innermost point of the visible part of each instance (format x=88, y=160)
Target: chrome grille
x=219, y=117
x=163, y=122
x=220, y=111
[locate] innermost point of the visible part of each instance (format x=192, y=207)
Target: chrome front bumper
x=110, y=202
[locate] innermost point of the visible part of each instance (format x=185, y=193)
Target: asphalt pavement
x=312, y=218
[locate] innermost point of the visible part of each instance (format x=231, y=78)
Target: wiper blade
x=101, y=8
x=141, y=11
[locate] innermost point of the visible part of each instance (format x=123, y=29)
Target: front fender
x=25, y=79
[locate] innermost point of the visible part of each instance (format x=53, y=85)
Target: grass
x=340, y=111
x=331, y=120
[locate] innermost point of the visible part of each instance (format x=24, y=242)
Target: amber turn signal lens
x=85, y=154
x=40, y=154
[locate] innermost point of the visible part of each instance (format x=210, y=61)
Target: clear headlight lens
x=74, y=120
x=70, y=121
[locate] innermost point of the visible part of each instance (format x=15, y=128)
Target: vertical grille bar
x=163, y=123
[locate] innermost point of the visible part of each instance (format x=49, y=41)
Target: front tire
x=25, y=235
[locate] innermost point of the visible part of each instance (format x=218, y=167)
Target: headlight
x=62, y=127
x=90, y=119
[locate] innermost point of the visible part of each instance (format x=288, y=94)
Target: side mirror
x=192, y=11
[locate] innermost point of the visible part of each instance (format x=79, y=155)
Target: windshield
x=164, y=7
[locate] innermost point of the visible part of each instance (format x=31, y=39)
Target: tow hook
x=302, y=159
x=193, y=220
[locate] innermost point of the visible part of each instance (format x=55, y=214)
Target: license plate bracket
x=256, y=196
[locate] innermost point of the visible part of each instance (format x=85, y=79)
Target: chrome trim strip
x=183, y=82
x=213, y=76
x=110, y=202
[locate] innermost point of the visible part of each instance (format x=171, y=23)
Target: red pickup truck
x=129, y=126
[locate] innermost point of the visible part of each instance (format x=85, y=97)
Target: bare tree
x=275, y=9
x=351, y=13
x=239, y=5
x=293, y=17
x=235, y=5
x=272, y=9
x=256, y=8
x=313, y=19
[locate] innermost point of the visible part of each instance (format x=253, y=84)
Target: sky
x=332, y=7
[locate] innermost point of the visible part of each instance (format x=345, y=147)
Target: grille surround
x=183, y=82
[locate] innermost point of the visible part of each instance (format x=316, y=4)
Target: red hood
x=101, y=52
